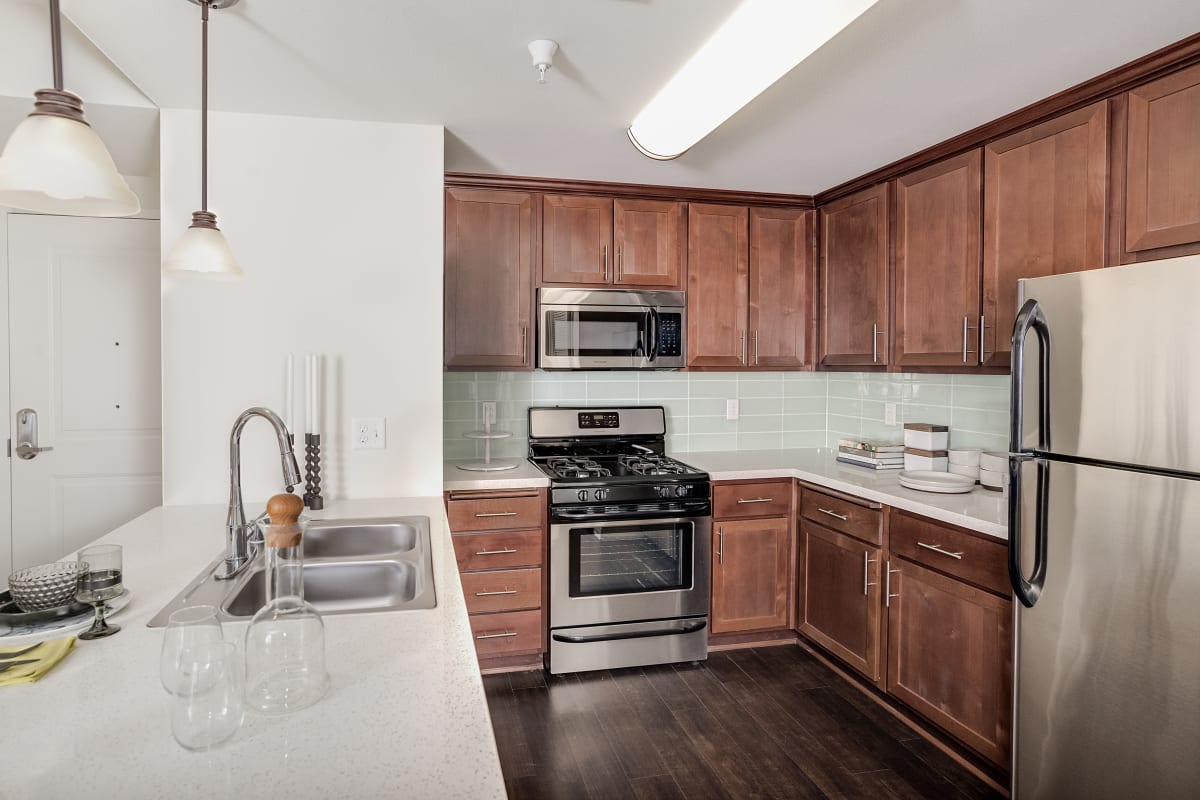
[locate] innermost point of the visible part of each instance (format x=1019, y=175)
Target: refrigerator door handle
x=1030, y=318
x=1028, y=590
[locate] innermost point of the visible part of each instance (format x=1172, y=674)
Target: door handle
x=27, y=435
x=721, y=545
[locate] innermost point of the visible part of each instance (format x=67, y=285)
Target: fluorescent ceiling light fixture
x=760, y=43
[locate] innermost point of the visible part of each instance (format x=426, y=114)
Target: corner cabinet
x=753, y=561
x=855, y=291
x=488, y=302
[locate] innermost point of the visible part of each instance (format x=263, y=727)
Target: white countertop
x=979, y=510
x=406, y=716
x=524, y=476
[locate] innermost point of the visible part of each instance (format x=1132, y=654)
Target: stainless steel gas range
x=630, y=539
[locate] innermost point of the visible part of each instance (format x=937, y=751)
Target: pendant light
x=54, y=163
x=202, y=248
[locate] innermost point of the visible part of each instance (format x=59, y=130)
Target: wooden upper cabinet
x=751, y=575
x=577, y=239
x=938, y=232
x=649, y=237
x=488, y=279
x=782, y=287
x=718, y=285
x=1044, y=212
x=1162, y=183
x=854, y=279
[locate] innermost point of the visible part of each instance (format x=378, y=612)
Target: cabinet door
x=782, y=287
x=649, y=236
x=950, y=656
x=577, y=239
x=750, y=583
x=839, y=597
x=717, y=286
x=1162, y=186
x=854, y=279
x=1043, y=212
x=488, y=279
x=938, y=231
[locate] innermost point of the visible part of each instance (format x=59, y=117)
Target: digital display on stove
x=594, y=419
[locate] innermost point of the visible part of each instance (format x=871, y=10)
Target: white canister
x=968, y=457
x=924, y=436
x=935, y=462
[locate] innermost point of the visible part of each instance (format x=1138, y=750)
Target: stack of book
x=873, y=455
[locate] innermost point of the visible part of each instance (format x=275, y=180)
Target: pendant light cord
x=56, y=44
x=203, y=105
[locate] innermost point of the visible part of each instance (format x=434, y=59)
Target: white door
x=84, y=355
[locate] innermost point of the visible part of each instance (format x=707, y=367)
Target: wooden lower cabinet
x=751, y=575
x=950, y=656
x=840, y=597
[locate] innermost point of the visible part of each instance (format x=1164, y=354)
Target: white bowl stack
x=993, y=471
x=965, y=462
x=925, y=447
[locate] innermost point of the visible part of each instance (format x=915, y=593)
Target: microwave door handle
x=653, y=334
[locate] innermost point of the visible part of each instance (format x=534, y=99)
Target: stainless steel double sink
x=350, y=567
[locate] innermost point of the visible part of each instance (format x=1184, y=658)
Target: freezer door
x=1107, y=691
x=1124, y=363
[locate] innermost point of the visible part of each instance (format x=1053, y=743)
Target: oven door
x=603, y=572
x=594, y=337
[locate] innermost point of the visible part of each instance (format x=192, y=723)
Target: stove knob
x=663, y=491
x=681, y=490
x=583, y=495
x=600, y=494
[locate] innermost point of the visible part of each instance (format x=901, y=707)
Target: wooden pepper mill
x=284, y=511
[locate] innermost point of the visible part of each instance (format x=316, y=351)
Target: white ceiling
x=906, y=75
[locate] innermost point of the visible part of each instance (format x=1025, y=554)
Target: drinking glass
x=206, y=708
x=100, y=583
x=187, y=629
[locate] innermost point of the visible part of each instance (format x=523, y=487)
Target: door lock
x=27, y=435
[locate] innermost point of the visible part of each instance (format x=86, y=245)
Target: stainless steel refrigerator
x=1104, y=533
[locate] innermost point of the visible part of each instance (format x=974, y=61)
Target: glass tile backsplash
x=776, y=409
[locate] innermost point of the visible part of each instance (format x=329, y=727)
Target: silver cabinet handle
x=604, y=262
x=887, y=594
x=524, y=344
x=842, y=517
x=496, y=514
x=982, y=336
x=756, y=347
x=744, y=500
x=27, y=435
x=721, y=545
x=875, y=342
x=964, y=340
x=743, y=347
x=937, y=549
x=867, y=582
x=495, y=635
x=494, y=594
x=620, y=263
x=504, y=552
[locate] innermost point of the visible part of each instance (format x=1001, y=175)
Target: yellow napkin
x=48, y=654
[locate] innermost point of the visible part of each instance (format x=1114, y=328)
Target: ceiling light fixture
x=54, y=163
x=760, y=43
x=203, y=248
x=543, y=51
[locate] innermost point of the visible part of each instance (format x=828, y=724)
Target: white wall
x=338, y=227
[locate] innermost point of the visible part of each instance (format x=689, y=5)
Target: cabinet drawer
x=843, y=516
x=951, y=551
x=505, y=590
x=765, y=499
x=495, y=513
x=506, y=634
x=498, y=550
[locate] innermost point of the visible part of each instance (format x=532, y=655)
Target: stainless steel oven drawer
x=630, y=644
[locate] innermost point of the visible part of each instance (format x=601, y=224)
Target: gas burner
x=654, y=465
x=577, y=467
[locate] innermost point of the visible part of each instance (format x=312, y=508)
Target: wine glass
x=187, y=629
x=101, y=582
x=206, y=708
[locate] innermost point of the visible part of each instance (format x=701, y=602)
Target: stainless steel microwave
x=611, y=329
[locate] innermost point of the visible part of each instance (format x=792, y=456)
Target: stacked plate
x=939, y=482
x=993, y=471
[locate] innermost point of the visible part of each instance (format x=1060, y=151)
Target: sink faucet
x=238, y=554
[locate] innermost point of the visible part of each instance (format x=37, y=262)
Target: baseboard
x=735, y=641
x=524, y=663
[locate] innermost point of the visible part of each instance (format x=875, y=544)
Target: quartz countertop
x=524, y=476
x=978, y=510
x=406, y=716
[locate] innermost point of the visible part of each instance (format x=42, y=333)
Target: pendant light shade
x=54, y=163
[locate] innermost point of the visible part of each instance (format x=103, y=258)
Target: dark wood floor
x=771, y=722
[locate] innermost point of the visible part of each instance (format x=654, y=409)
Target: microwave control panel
x=670, y=337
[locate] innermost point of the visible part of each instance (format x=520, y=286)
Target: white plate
x=940, y=482
x=14, y=635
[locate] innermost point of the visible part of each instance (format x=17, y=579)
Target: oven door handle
x=687, y=627
x=602, y=521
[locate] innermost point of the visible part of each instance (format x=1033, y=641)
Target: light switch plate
x=731, y=409
x=368, y=433
x=489, y=412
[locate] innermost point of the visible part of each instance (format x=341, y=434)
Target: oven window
x=596, y=333
x=639, y=557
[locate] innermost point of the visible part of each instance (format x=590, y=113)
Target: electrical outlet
x=889, y=413
x=489, y=412
x=731, y=409
x=368, y=433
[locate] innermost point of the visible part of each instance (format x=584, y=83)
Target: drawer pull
x=496, y=514
x=493, y=594
x=504, y=552
x=842, y=517
x=504, y=635
x=744, y=500
x=937, y=549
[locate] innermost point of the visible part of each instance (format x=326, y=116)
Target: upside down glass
x=206, y=708
x=187, y=629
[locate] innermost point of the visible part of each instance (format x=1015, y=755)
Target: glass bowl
x=46, y=585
